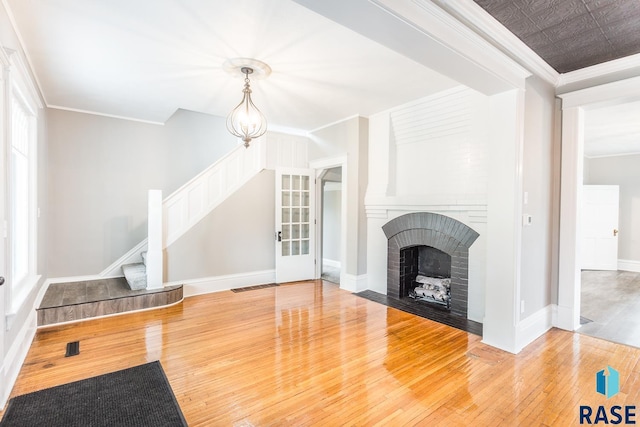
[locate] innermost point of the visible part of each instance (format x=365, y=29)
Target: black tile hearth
x=428, y=311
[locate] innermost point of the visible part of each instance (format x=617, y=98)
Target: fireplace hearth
x=428, y=260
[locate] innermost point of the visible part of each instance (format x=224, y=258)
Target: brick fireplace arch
x=437, y=231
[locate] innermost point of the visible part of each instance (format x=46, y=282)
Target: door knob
x=1, y=280
x=615, y=231
x=279, y=236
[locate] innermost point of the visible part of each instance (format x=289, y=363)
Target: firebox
x=425, y=275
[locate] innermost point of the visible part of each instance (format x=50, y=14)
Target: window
x=22, y=196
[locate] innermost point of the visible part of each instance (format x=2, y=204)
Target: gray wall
x=350, y=138
x=237, y=237
x=331, y=221
x=539, y=165
x=625, y=172
x=99, y=172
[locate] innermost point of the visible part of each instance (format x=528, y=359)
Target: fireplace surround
x=431, y=230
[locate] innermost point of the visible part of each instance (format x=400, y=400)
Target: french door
x=295, y=225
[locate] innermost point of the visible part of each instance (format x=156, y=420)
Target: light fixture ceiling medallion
x=246, y=121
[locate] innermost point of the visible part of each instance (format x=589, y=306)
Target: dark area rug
x=138, y=396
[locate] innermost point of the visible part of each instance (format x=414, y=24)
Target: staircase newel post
x=154, y=251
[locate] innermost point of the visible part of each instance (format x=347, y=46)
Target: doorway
x=574, y=106
x=331, y=224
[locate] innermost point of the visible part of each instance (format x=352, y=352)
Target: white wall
x=625, y=172
x=349, y=138
x=539, y=164
x=100, y=170
x=430, y=155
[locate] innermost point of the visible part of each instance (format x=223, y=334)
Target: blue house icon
x=608, y=384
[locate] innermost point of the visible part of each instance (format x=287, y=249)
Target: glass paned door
x=295, y=189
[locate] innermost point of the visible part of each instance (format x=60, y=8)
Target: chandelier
x=246, y=121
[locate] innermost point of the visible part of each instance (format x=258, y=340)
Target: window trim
x=19, y=86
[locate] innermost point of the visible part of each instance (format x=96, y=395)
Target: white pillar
x=154, y=251
x=504, y=224
x=570, y=201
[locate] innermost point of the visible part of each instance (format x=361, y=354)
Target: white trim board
x=629, y=265
x=331, y=263
x=16, y=356
x=533, y=327
x=207, y=285
x=353, y=283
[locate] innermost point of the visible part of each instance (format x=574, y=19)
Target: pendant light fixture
x=246, y=121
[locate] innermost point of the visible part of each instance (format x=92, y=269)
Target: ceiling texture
x=143, y=60
x=572, y=34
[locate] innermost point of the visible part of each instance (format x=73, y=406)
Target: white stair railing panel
x=192, y=202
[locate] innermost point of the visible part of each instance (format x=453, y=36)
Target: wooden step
x=74, y=301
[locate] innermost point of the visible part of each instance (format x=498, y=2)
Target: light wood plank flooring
x=312, y=354
x=611, y=301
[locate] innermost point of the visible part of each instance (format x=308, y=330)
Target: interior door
x=295, y=225
x=600, y=227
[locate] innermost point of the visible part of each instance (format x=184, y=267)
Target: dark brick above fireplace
x=437, y=231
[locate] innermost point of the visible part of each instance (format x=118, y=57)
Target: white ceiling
x=144, y=59
x=612, y=130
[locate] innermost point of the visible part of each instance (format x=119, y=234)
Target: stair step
x=75, y=301
x=136, y=275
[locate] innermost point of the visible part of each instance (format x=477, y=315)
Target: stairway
x=136, y=273
x=184, y=208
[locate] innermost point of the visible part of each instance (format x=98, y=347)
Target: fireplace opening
x=425, y=275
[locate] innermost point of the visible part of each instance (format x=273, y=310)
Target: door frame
x=4, y=167
x=574, y=105
x=321, y=165
x=281, y=262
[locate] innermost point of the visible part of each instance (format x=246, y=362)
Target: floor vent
x=584, y=320
x=73, y=348
x=253, y=288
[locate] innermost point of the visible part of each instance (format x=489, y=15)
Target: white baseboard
x=331, y=263
x=563, y=318
x=73, y=279
x=16, y=356
x=207, y=285
x=353, y=283
x=629, y=265
x=534, y=326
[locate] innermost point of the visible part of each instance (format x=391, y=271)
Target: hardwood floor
x=311, y=354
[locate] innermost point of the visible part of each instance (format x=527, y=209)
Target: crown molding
x=467, y=42
x=29, y=65
x=111, y=116
x=627, y=89
x=478, y=19
x=600, y=70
